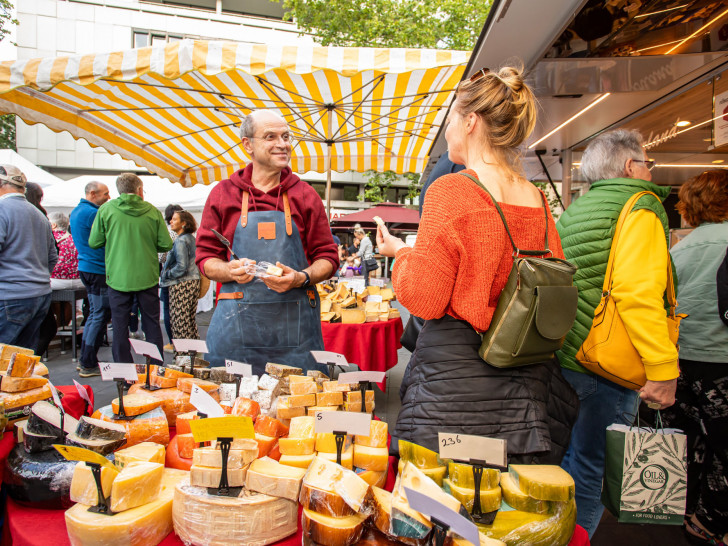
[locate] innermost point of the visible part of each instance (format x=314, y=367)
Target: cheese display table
x=372, y=345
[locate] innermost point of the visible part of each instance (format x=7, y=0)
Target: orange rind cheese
x=185, y=384
x=136, y=404
x=324, y=502
x=328, y=531
x=22, y=365
x=329, y=399
x=21, y=384
x=296, y=446
x=246, y=407
x=371, y=458
x=269, y=426
x=378, y=434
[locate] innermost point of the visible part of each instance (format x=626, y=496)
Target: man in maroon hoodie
x=268, y=214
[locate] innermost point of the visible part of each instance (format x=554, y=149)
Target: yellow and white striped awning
x=175, y=110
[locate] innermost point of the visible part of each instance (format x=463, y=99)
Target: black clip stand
x=224, y=489
x=149, y=386
x=340, y=437
x=103, y=505
x=477, y=514
x=201, y=416
x=238, y=379
x=439, y=532
x=363, y=388
x=193, y=357
x=120, y=390
x=332, y=368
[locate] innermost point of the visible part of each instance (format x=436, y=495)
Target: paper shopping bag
x=645, y=476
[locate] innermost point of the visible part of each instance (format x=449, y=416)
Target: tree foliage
x=441, y=24
x=7, y=122
x=378, y=184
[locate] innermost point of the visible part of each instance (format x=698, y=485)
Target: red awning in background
x=396, y=216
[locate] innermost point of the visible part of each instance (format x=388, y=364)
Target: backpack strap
x=517, y=251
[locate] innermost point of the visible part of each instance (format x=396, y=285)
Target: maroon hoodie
x=222, y=213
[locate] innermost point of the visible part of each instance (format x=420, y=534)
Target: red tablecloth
x=372, y=345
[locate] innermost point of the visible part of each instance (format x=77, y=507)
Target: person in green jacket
x=133, y=232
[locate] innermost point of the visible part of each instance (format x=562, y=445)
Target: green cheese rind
x=558, y=486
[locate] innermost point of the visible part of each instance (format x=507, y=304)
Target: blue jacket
x=90, y=260
x=27, y=250
x=180, y=265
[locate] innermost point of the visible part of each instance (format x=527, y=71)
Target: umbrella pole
x=328, y=161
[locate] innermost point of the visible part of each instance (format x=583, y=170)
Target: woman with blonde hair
x=456, y=271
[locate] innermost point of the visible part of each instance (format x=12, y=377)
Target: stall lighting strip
x=658, y=12
x=685, y=166
x=706, y=25
x=572, y=118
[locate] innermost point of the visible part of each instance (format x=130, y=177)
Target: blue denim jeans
x=164, y=298
x=93, y=332
x=20, y=320
x=602, y=404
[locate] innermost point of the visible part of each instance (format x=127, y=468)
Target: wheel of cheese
x=17, y=405
x=183, y=422
x=147, y=427
x=185, y=445
x=172, y=458
x=174, y=401
x=145, y=525
x=329, y=531
x=324, y=502
x=201, y=519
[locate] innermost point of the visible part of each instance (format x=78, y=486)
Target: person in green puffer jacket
x=617, y=167
x=133, y=232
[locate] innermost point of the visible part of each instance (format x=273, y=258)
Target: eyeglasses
x=271, y=138
x=649, y=163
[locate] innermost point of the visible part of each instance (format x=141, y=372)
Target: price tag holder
x=239, y=368
x=205, y=403
x=145, y=348
x=73, y=453
x=348, y=422
x=464, y=447
x=327, y=358
x=356, y=286
x=111, y=371
x=376, y=298
x=187, y=345
x=56, y=398
x=229, y=426
x=360, y=377
x=442, y=517
x=377, y=282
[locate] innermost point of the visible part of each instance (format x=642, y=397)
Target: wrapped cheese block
x=206, y=476
x=372, y=477
x=329, y=531
x=147, y=427
x=490, y=499
x=333, y=478
x=145, y=452
x=246, y=407
x=137, y=484
x=145, y=525
x=97, y=435
x=324, y=502
x=519, y=500
x=7, y=352
x=265, y=444
x=518, y=527
x=461, y=475
x=83, y=484
x=371, y=458
x=299, y=461
x=378, y=433
x=201, y=519
x=103, y=447
x=17, y=405
x=272, y=478
x=347, y=457
x=46, y=418
x=21, y=365
x=136, y=404
x=209, y=456
x=185, y=445
x=34, y=442
x=543, y=482
x=379, y=504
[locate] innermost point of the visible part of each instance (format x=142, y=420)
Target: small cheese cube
x=356, y=406
x=264, y=399
x=329, y=399
x=284, y=411
x=269, y=383
x=281, y=370
x=299, y=379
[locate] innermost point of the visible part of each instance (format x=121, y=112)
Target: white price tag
x=205, y=403
x=82, y=392
x=343, y=421
x=356, y=286
x=358, y=377
x=433, y=509
x=377, y=282
x=239, y=368
x=464, y=447
x=374, y=298
x=327, y=357
x=186, y=345
x=54, y=394
x=115, y=370
x=145, y=348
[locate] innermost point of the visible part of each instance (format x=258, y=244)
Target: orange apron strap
x=244, y=210
x=287, y=211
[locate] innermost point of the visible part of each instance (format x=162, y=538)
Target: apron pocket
x=273, y=324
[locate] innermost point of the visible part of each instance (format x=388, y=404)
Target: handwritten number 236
x=451, y=441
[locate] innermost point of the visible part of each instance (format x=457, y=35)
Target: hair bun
x=512, y=77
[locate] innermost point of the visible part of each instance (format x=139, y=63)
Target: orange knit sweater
x=462, y=257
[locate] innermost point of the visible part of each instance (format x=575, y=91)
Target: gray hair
x=607, y=154
x=92, y=186
x=128, y=183
x=359, y=231
x=247, y=127
x=60, y=220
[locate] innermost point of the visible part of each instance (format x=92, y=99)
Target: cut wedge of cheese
x=40, y=369
x=183, y=422
x=301, y=400
x=206, y=476
x=490, y=499
x=420, y=456
x=142, y=526
x=145, y=452
x=328, y=316
x=163, y=382
x=299, y=461
x=304, y=387
x=302, y=427
x=17, y=405
x=282, y=370
x=83, y=484
x=136, y=404
x=404, y=521
x=137, y=484
x=378, y=433
x=147, y=427
x=335, y=386
x=249, y=445
x=272, y=478
x=95, y=429
x=326, y=442
x=21, y=384
x=519, y=500
x=174, y=401
x=246, y=407
x=312, y=411
x=356, y=406
x=185, y=384
x=435, y=474
x=329, y=399
x=21, y=365
x=353, y=316
x=324, y=502
x=270, y=427
x=329, y=476
x=103, y=447
x=283, y=412
x=461, y=475
x=328, y=531
x=175, y=374
x=265, y=444
x=211, y=457
x=371, y=458
x=543, y=482
x=354, y=397
x=185, y=445
x=378, y=479
x=347, y=457
x=7, y=351
x=296, y=446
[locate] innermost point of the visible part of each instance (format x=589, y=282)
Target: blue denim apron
x=258, y=325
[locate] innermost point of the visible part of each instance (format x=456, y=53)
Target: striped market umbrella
x=176, y=110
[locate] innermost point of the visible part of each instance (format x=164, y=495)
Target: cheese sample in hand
x=328, y=531
x=149, y=452
x=274, y=271
x=378, y=432
x=543, y=482
x=272, y=478
x=205, y=476
x=379, y=221
x=137, y=484
x=83, y=484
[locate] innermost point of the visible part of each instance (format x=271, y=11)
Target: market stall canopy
x=396, y=216
x=176, y=109
x=31, y=171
